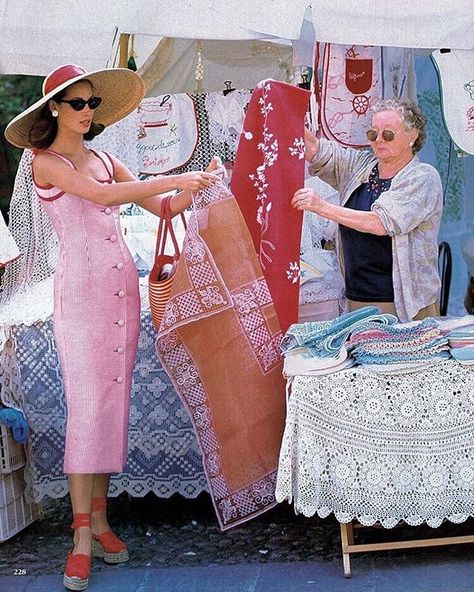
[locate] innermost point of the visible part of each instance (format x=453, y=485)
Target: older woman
x=390, y=212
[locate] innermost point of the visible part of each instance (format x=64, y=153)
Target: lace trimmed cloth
x=226, y=116
x=219, y=342
x=381, y=448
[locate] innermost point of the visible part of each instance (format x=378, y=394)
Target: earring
x=411, y=143
x=54, y=113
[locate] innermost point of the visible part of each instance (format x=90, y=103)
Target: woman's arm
x=51, y=170
x=311, y=143
x=178, y=203
x=307, y=199
x=332, y=163
x=414, y=198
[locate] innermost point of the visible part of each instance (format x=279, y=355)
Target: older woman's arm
x=332, y=163
x=307, y=199
x=415, y=196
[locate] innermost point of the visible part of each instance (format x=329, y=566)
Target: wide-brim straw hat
x=121, y=91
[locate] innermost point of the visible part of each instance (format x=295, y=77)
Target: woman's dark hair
x=43, y=132
x=411, y=114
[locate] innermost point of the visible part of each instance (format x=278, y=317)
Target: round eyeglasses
x=387, y=135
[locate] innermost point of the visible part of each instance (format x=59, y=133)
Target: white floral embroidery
x=186, y=375
x=263, y=491
x=213, y=463
x=194, y=251
x=294, y=272
x=245, y=301
x=269, y=354
x=269, y=148
x=171, y=314
x=298, y=149
x=228, y=509
x=202, y=417
x=211, y=296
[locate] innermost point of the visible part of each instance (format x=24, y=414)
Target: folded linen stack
x=319, y=347
x=405, y=346
x=461, y=344
x=297, y=362
x=449, y=324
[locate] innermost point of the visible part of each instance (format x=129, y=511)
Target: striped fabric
x=159, y=293
x=159, y=289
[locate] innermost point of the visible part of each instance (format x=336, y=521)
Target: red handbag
x=164, y=267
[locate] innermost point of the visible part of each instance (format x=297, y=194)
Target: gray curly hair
x=411, y=115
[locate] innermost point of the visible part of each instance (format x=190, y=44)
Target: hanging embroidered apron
x=456, y=77
x=352, y=83
x=168, y=133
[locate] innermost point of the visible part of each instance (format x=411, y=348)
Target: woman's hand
x=307, y=199
x=195, y=181
x=215, y=163
x=216, y=167
x=311, y=143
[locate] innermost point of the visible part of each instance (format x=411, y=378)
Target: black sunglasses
x=387, y=135
x=79, y=104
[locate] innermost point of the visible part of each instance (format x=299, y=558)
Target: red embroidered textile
x=269, y=168
x=219, y=342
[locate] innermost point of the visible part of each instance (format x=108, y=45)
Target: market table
x=163, y=454
x=380, y=448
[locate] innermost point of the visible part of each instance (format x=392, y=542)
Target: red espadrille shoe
x=78, y=565
x=107, y=546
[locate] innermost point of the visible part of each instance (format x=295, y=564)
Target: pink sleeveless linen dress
x=96, y=326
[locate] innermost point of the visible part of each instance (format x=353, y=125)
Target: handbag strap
x=165, y=227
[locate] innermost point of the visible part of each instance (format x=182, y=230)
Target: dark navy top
x=367, y=257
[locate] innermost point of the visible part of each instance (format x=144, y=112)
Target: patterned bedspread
x=163, y=455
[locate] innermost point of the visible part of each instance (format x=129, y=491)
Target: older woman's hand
x=307, y=199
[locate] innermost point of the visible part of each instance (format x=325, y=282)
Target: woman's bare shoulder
x=44, y=163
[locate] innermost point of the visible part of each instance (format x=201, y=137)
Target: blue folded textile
x=325, y=338
x=463, y=354
x=14, y=419
x=371, y=358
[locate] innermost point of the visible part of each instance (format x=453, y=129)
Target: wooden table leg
x=348, y=545
x=347, y=539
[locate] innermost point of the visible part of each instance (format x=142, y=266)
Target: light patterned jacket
x=410, y=211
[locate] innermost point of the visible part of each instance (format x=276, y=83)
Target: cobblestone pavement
x=183, y=532
x=176, y=531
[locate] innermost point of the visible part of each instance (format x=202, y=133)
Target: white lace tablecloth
x=381, y=448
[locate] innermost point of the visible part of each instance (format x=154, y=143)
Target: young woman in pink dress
x=96, y=299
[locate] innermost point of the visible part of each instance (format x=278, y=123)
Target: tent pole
x=123, y=49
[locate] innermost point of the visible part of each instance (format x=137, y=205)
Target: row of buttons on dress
x=113, y=238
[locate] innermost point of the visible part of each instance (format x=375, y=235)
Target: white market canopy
x=39, y=35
